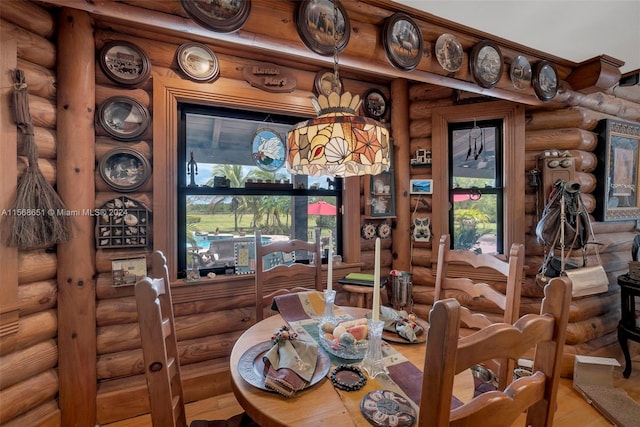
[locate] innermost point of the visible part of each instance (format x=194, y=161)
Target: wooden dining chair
x=470, y=288
x=160, y=352
x=281, y=278
x=448, y=354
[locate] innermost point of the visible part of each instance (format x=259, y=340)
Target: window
x=508, y=120
x=475, y=185
x=227, y=188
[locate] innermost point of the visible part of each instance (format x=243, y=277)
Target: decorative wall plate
x=124, y=169
x=124, y=118
x=316, y=27
x=268, y=150
x=545, y=80
x=520, y=72
x=384, y=230
x=325, y=81
x=486, y=63
x=449, y=52
x=375, y=104
x=402, y=41
x=198, y=62
x=124, y=63
x=223, y=16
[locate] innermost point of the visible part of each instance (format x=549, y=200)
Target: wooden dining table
x=320, y=404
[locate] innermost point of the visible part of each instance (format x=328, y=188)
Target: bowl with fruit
x=346, y=339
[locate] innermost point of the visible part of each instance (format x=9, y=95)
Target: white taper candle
x=376, y=283
x=330, y=265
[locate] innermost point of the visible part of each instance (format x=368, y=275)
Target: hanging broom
x=38, y=218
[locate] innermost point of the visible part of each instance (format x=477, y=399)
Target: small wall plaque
x=269, y=77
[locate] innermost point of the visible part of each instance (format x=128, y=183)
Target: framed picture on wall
x=125, y=63
x=421, y=186
x=320, y=29
x=402, y=41
x=617, y=171
x=124, y=118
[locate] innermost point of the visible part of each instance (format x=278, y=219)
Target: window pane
x=475, y=222
x=216, y=223
x=474, y=157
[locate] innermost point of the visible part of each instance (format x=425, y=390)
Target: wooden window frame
x=513, y=119
x=167, y=94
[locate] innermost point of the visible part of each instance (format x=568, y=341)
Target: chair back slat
x=277, y=280
x=449, y=354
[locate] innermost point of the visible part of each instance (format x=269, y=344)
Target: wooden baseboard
x=123, y=398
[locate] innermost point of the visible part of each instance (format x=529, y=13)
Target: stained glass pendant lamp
x=338, y=142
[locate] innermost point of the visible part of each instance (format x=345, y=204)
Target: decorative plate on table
x=251, y=366
x=386, y=408
x=396, y=338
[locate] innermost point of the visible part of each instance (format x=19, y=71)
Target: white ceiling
x=575, y=30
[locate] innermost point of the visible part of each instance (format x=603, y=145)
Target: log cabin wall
x=210, y=318
x=29, y=353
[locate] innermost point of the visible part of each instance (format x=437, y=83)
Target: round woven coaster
x=386, y=408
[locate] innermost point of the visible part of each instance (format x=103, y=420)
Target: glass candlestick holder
x=373, y=361
x=329, y=299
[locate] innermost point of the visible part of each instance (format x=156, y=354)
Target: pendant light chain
x=335, y=84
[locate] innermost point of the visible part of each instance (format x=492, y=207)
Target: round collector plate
x=545, y=80
x=125, y=63
x=486, y=63
x=223, y=16
x=124, y=169
x=520, y=72
x=402, y=40
x=375, y=104
x=267, y=150
x=251, y=366
x=386, y=408
x=316, y=27
x=449, y=52
x=124, y=118
x=198, y=62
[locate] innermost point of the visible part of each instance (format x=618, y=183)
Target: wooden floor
x=573, y=409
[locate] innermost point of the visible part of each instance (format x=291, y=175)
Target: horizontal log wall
x=28, y=360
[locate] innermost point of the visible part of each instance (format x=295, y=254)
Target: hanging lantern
x=338, y=142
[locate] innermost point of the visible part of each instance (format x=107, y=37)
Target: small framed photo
x=268, y=150
x=124, y=169
x=421, y=186
x=127, y=271
x=402, y=41
x=545, y=80
x=617, y=171
x=319, y=29
x=125, y=63
x=223, y=16
x=375, y=104
x=124, y=118
x=198, y=62
x=486, y=63
x=325, y=83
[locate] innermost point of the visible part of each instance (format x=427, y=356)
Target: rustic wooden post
x=8, y=179
x=401, y=244
x=76, y=258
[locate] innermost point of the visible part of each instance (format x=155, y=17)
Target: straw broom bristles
x=38, y=218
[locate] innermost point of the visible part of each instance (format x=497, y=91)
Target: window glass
x=475, y=186
x=233, y=180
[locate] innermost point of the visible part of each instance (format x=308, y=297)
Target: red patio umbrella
x=321, y=208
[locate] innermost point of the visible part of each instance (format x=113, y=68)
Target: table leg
x=624, y=344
